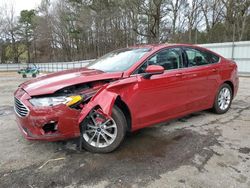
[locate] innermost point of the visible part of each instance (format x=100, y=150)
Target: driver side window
x=168, y=59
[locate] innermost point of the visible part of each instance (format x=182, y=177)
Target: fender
x=104, y=99
x=107, y=95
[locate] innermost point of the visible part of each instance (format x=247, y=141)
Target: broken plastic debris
x=62, y=158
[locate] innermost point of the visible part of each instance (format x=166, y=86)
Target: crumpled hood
x=50, y=83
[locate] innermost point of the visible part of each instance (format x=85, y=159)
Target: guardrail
x=45, y=67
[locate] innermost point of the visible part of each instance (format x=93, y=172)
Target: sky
x=20, y=5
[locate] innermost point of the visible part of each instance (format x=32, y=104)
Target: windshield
x=119, y=60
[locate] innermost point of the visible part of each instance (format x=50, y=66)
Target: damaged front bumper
x=45, y=123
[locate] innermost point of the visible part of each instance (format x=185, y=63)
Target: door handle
x=214, y=70
x=178, y=74
x=184, y=75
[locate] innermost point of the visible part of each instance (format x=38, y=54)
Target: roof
x=161, y=45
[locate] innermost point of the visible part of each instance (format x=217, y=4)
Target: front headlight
x=53, y=101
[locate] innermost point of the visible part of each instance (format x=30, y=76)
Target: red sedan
x=125, y=90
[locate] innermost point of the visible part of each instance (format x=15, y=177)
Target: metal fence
x=45, y=67
x=237, y=51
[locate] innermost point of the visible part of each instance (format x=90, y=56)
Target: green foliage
x=26, y=16
x=27, y=26
x=21, y=50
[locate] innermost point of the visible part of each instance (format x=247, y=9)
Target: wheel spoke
x=106, y=121
x=225, y=106
x=226, y=93
x=105, y=138
x=98, y=140
x=111, y=126
x=108, y=134
x=90, y=131
x=90, y=140
x=91, y=126
x=93, y=119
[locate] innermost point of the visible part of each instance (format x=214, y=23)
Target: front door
x=162, y=96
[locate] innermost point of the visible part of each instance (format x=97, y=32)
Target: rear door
x=213, y=75
x=196, y=76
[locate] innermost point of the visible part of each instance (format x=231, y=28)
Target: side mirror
x=153, y=70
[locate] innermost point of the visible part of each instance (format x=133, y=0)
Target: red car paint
x=52, y=82
x=165, y=96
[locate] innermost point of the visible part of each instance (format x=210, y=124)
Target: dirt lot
x=199, y=150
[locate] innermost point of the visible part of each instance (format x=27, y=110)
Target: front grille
x=20, y=108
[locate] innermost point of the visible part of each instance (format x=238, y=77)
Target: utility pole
x=232, y=57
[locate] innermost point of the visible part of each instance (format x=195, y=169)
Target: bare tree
x=242, y=14
x=150, y=13
x=194, y=18
x=10, y=29
x=68, y=30
x=235, y=16
x=212, y=11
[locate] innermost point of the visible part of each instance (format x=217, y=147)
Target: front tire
x=223, y=99
x=102, y=134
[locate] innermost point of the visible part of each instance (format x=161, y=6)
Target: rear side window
x=196, y=57
x=212, y=58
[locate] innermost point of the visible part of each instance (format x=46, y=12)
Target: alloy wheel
x=224, y=98
x=100, y=131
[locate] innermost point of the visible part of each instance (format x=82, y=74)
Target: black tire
x=24, y=76
x=121, y=124
x=33, y=75
x=216, y=107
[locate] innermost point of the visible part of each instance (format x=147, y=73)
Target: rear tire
x=106, y=137
x=24, y=76
x=223, y=99
x=33, y=75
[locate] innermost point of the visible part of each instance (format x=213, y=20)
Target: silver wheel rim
x=100, y=131
x=224, y=98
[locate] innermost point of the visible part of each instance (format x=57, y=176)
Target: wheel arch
x=126, y=111
x=105, y=101
x=231, y=85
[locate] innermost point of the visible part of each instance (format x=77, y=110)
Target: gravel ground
x=200, y=150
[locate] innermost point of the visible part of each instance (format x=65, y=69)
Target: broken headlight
x=53, y=101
